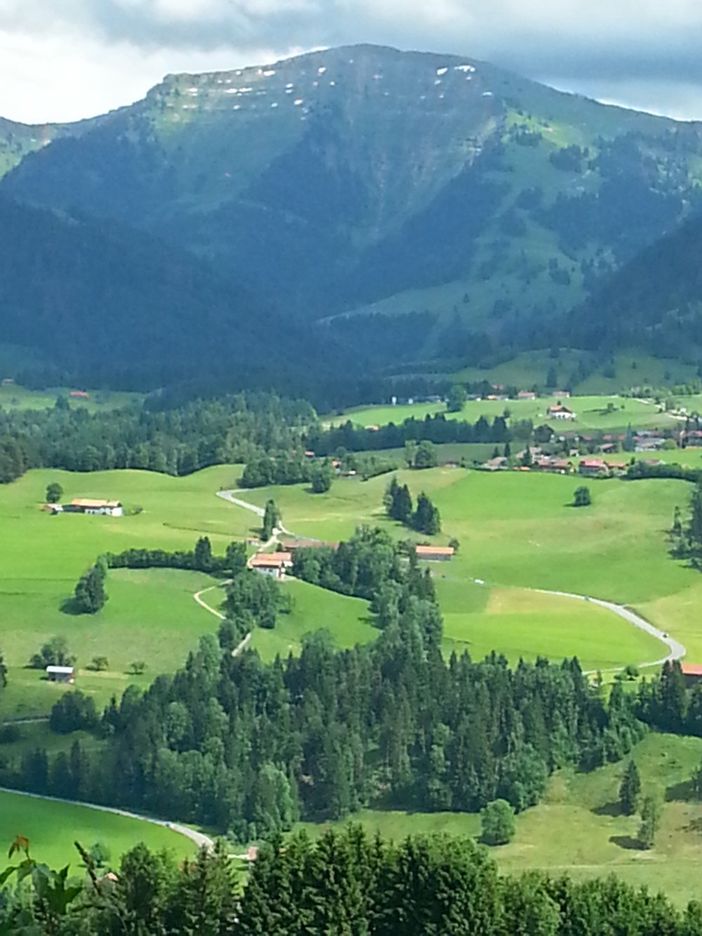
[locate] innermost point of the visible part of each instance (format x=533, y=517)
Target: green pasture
x=519, y=530
x=150, y=615
x=579, y=830
x=604, y=413
x=53, y=827
x=347, y=621
x=13, y=396
x=629, y=369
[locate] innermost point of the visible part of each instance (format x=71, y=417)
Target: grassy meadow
x=579, y=829
x=605, y=413
x=52, y=828
x=15, y=397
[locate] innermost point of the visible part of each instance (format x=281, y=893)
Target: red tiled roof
x=691, y=669
x=434, y=551
x=271, y=560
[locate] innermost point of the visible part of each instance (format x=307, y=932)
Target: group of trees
x=342, y=883
x=200, y=558
x=687, y=537
x=630, y=801
x=436, y=428
x=90, y=595
x=669, y=704
x=175, y=441
x=292, y=467
x=425, y=518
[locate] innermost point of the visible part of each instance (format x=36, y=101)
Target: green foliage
x=425, y=456
x=53, y=653
x=54, y=493
x=630, y=789
x=271, y=519
x=582, y=497
x=90, y=595
x=321, y=478
x=497, y=823
x=74, y=711
x=100, y=664
x=650, y=819
x=426, y=518
x=456, y=399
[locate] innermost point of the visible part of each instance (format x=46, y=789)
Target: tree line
x=433, y=428
x=90, y=594
x=175, y=441
x=344, y=883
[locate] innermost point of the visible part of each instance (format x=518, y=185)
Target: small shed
x=61, y=674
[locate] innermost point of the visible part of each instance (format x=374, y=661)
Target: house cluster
x=86, y=505
x=599, y=468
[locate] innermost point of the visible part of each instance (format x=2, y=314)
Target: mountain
x=103, y=304
x=364, y=180
x=17, y=140
x=654, y=301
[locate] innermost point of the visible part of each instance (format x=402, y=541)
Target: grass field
x=519, y=531
x=630, y=368
x=593, y=413
x=13, y=396
x=52, y=828
x=578, y=828
x=150, y=615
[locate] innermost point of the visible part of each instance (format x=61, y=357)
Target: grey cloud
x=574, y=43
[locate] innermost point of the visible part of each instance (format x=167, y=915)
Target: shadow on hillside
x=679, y=791
x=70, y=606
x=608, y=809
x=625, y=841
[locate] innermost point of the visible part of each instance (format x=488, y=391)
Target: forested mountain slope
x=353, y=176
x=107, y=304
x=654, y=301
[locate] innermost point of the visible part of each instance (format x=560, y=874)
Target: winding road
x=676, y=650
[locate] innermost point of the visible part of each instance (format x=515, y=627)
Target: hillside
x=364, y=178
x=104, y=304
x=654, y=301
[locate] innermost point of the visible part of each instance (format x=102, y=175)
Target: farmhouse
x=692, y=673
x=553, y=463
x=435, y=553
x=559, y=411
x=79, y=395
x=526, y=395
x=61, y=674
x=593, y=468
x=274, y=564
x=86, y=505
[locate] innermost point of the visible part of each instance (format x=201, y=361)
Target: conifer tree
x=630, y=789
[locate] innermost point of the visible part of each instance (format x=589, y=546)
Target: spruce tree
x=630, y=789
x=650, y=817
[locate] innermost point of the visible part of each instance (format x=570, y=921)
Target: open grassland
x=629, y=369
x=520, y=531
x=52, y=828
x=347, y=621
x=150, y=615
x=605, y=413
x=13, y=397
x=578, y=829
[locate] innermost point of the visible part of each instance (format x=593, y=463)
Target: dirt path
x=198, y=838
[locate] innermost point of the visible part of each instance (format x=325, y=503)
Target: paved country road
x=198, y=838
x=676, y=650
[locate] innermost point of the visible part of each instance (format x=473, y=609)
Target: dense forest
x=176, y=440
x=345, y=884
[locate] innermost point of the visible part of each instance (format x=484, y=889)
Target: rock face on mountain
x=365, y=180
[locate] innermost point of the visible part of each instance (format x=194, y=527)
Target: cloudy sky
x=66, y=59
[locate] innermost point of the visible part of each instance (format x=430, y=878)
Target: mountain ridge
x=468, y=204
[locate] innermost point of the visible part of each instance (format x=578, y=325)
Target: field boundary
x=198, y=838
